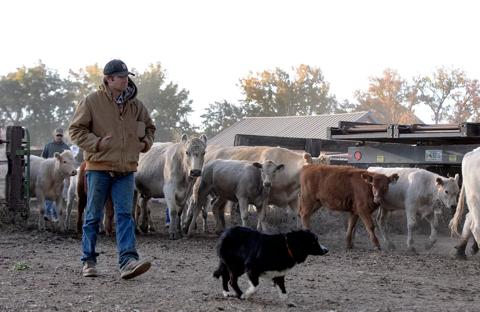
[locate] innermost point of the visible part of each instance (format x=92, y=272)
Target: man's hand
x=104, y=142
x=144, y=145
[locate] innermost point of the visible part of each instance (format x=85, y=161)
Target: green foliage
x=36, y=98
x=20, y=266
x=275, y=93
x=220, y=116
x=168, y=105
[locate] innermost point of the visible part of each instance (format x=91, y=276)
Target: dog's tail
x=219, y=271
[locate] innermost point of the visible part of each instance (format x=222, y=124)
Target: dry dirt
x=40, y=271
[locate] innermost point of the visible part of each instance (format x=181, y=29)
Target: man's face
x=59, y=138
x=118, y=83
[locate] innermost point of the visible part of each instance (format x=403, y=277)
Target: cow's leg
x=262, y=212
x=197, y=206
x=307, y=208
x=218, y=209
x=279, y=281
x=173, y=210
x=41, y=209
x=411, y=220
x=70, y=200
x=143, y=218
x=204, y=216
x=243, y=205
x=81, y=204
x=382, y=218
x=433, y=220
x=59, y=224
x=370, y=227
x=253, y=278
x=459, y=252
x=108, y=217
x=352, y=221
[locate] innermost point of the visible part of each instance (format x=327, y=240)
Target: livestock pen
x=41, y=271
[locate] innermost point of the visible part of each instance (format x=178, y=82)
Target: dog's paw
x=227, y=294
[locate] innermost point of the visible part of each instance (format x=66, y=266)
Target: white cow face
x=65, y=163
x=448, y=190
x=195, y=153
x=269, y=169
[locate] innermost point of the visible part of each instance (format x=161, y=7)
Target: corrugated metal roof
x=313, y=127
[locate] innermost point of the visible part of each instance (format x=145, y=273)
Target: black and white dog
x=243, y=250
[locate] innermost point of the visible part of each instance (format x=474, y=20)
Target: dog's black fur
x=243, y=250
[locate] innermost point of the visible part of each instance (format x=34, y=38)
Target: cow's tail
x=458, y=213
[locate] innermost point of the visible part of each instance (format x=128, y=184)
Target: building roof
x=312, y=127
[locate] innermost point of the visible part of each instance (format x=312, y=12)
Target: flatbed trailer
x=438, y=148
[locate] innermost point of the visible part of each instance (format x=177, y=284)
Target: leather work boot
x=89, y=269
x=134, y=268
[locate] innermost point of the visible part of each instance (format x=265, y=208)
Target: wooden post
x=14, y=191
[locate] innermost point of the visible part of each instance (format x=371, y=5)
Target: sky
x=207, y=46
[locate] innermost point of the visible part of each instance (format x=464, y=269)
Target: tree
x=36, y=98
x=438, y=92
x=391, y=98
x=219, y=116
x=86, y=80
x=466, y=103
x=274, y=93
x=168, y=105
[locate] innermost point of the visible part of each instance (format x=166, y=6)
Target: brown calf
x=343, y=188
x=82, y=203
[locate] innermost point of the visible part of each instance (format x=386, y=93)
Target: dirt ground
x=40, y=271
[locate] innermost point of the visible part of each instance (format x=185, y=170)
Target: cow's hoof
x=429, y=245
x=411, y=251
x=175, y=236
x=391, y=246
x=143, y=229
x=474, y=249
x=459, y=256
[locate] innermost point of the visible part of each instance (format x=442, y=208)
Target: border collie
x=243, y=250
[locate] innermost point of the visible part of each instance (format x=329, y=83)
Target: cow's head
x=269, y=169
x=379, y=183
x=448, y=190
x=195, y=152
x=322, y=159
x=65, y=163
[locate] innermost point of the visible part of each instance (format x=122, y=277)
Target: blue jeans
x=100, y=184
x=50, y=210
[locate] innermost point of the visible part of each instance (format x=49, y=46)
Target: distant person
x=55, y=146
x=112, y=127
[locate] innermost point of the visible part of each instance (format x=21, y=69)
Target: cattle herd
x=194, y=178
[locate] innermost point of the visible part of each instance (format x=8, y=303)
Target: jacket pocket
x=141, y=129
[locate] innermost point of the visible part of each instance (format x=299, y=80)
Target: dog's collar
x=290, y=253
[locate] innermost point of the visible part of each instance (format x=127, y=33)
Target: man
x=55, y=146
x=112, y=127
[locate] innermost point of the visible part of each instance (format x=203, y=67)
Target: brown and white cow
x=343, y=188
x=47, y=181
x=169, y=170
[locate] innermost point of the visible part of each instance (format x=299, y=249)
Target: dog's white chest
x=272, y=274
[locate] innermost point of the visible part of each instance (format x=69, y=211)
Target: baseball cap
x=116, y=67
x=59, y=131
